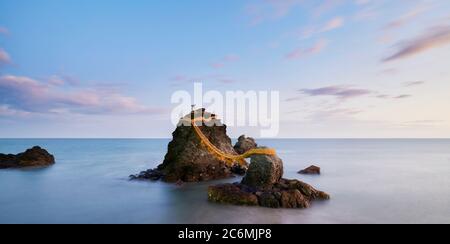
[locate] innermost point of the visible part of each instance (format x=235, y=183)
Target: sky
x=108, y=68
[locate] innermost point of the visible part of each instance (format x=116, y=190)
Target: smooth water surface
x=370, y=181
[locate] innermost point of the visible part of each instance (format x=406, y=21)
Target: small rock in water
x=34, y=157
x=311, y=170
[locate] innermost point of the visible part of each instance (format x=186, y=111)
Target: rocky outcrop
x=264, y=171
x=151, y=174
x=245, y=144
x=34, y=157
x=311, y=170
x=188, y=160
x=264, y=186
x=284, y=194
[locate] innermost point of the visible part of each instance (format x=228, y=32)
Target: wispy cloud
x=23, y=94
x=4, y=57
x=263, y=10
x=326, y=6
x=413, y=83
x=332, y=24
x=231, y=58
x=318, y=47
x=60, y=80
x=6, y=111
x=335, y=113
x=385, y=96
x=406, y=18
x=341, y=92
x=403, y=96
x=436, y=37
x=184, y=79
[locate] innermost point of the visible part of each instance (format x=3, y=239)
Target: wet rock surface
x=34, y=157
x=264, y=171
x=245, y=144
x=236, y=194
x=284, y=194
x=264, y=186
x=188, y=160
x=311, y=170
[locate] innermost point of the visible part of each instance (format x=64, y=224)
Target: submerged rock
x=264, y=171
x=34, y=157
x=311, y=170
x=188, y=160
x=245, y=144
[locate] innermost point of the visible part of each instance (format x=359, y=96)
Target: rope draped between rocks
x=230, y=159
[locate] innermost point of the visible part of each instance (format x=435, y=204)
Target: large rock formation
x=263, y=186
x=188, y=160
x=34, y=157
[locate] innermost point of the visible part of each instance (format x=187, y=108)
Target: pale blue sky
x=107, y=68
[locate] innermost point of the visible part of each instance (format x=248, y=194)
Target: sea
x=369, y=180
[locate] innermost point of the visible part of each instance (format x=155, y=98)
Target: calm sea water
x=370, y=181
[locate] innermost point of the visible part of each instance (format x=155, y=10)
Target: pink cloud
x=436, y=37
x=4, y=57
x=32, y=96
x=264, y=10
x=302, y=52
x=406, y=18
x=332, y=24
x=231, y=58
x=341, y=92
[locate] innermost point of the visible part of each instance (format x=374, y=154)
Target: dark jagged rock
x=239, y=169
x=264, y=171
x=311, y=170
x=151, y=174
x=34, y=157
x=245, y=144
x=264, y=183
x=188, y=160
